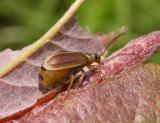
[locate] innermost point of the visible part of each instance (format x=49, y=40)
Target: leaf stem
x=44, y=39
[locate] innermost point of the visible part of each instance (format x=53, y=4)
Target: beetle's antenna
x=95, y=44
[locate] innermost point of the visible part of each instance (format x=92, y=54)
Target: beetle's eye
x=42, y=68
x=97, y=58
x=40, y=77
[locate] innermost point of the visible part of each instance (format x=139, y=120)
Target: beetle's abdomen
x=51, y=79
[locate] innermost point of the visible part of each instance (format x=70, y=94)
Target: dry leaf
x=19, y=89
x=109, y=39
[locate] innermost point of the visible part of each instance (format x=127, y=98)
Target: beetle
x=58, y=67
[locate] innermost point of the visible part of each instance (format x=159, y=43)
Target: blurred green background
x=24, y=21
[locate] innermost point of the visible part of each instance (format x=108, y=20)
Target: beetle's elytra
x=59, y=66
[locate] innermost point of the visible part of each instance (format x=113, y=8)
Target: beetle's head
x=97, y=58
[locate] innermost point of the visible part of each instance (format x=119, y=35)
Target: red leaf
x=133, y=96
x=117, y=62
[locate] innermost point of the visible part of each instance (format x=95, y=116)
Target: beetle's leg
x=96, y=68
x=70, y=83
x=80, y=78
x=91, y=67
